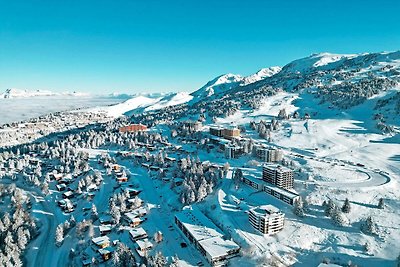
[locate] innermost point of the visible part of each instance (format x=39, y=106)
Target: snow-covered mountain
x=20, y=93
x=226, y=82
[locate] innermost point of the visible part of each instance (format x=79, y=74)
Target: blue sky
x=177, y=45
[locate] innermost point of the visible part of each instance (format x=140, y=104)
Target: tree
x=367, y=248
x=59, y=234
x=298, y=207
x=338, y=217
x=123, y=256
x=95, y=214
x=381, y=204
x=330, y=207
x=158, y=260
x=238, y=176
x=369, y=226
x=346, y=206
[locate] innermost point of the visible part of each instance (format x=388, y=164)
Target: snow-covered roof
x=277, y=167
x=265, y=210
x=144, y=244
x=101, y=240
x=137, y=232
x=198, y=224
x=106, y=227
x=205, y=232
x=216, y=246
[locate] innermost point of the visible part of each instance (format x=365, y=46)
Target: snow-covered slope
x=226, y=82
x=218, y=85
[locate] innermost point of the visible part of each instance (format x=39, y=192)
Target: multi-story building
x=133, y=128
x=216, y=131
x=268, y=154
x=232, y=151
x=206, y=236
x=267, y=219
x=231, y=132
x=284, y=195
x=193, y=126
x=278, y=175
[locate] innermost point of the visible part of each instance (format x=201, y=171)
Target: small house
x=137, y=234
x=101, y=241
x=105, y=229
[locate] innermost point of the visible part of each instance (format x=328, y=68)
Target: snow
x=19, y=93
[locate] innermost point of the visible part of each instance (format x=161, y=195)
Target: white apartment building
x=267, y=219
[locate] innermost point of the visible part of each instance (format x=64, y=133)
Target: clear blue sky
x=177, y=45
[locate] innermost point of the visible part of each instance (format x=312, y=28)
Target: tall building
x=232, y=151
x=278, y=175
x=193, y=126
x=216, y=131
x=267, y=219
x=268, y=154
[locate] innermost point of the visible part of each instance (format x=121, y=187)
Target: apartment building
x=267, y=219
x=278, y=175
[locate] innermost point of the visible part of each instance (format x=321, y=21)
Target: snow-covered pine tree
x=346, y=206
x=369, y=226
x=381, y=204
x=59, y=234
x=298, y=207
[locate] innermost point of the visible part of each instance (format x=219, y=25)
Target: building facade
x=268, y=154
x=133, y=128
x=230, y=133
x=267, y=219
x=232, y=151
x=284, y=195
x=278, y=175
x=216, y=131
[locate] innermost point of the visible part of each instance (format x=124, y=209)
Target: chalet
x=105, y=219
x=132, y=202
x=101, y=241
x=105, y=229
x=137, y=234
x=132, y=191
x=154, y=168
x=139, y=212
x=61, y=187
x=68, y=194
x=133, y=220
x=115, y=167
x=57, y=176
x=92, y=187
x=87, y=262
x=142, y=246
x=122, y=179
x=106, y=253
